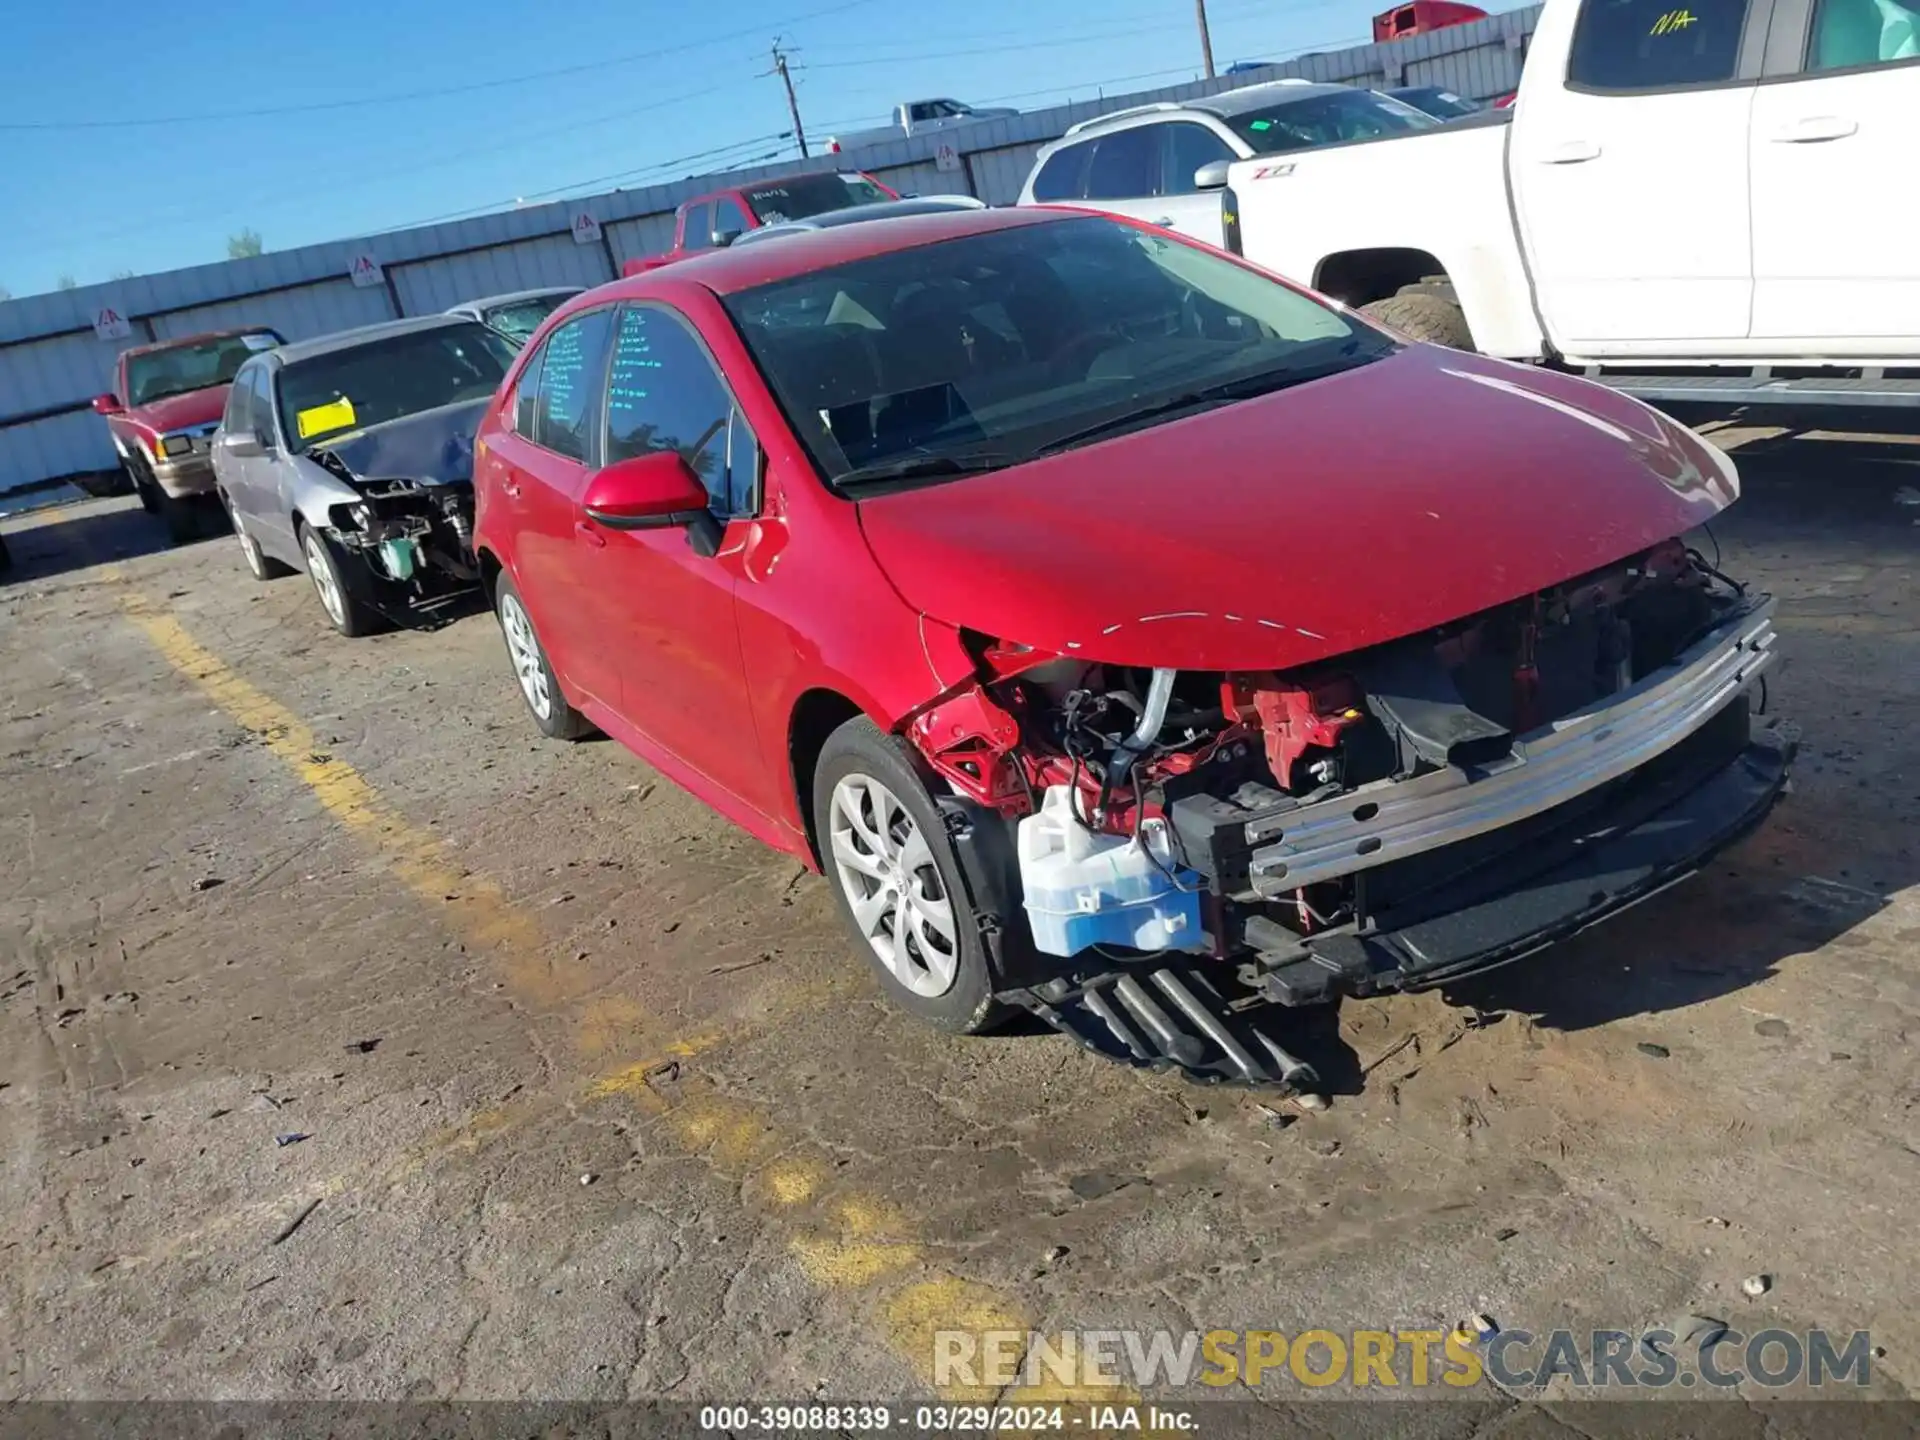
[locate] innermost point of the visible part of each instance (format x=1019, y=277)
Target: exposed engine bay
x=414, y=534
x=1192, y=846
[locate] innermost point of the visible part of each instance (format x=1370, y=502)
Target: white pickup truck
x=1694, y=200
x=916, y=117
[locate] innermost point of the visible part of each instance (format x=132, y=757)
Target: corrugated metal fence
x=52, y=363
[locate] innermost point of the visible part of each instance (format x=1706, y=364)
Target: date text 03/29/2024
x=940, y=1419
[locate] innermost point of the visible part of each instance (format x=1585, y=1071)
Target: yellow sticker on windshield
x=334, y=415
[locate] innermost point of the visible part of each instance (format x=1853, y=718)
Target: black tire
x=860, y=749
x=260, y=565
x=560, y=721
x=182, y=517
x=1422, y=315
x=352, y=616
x=145, y=487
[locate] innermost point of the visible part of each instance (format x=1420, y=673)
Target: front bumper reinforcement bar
x=1393, y=819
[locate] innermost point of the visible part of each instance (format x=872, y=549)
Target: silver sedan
x=351, y=457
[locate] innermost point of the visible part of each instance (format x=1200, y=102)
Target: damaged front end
x=411, y=531
x=1193, y=852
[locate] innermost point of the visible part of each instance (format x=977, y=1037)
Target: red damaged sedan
x=1130, y=637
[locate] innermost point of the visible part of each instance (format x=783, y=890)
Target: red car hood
x=175, y=412
x=1304, y=524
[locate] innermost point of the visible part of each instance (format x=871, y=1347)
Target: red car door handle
x=509, y=489
x=589, y=532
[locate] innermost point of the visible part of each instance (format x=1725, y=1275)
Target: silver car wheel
x=892, y=885
x=321, y=571
x=527, y=661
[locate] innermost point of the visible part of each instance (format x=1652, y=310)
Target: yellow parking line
x=418, y=857
x=850, y=1242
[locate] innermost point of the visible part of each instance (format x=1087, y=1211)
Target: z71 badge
x=1274, y=172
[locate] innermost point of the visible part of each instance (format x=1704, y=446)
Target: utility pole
x=793, y=106
x=1206, y=40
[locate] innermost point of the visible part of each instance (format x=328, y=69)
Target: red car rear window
x=799, y=196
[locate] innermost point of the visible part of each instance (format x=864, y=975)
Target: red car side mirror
x=649, y=492
x=107, y=405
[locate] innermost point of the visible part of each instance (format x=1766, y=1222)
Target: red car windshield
x=155, y=374
x=1000, y=346
x=799, y=196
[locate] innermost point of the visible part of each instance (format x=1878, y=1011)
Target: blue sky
x=308, y=141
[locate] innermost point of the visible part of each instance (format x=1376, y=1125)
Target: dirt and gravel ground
x=598, y=1103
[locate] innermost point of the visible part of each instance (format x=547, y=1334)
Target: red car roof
x=204, y=335
x=740, y=191
x=727, y=271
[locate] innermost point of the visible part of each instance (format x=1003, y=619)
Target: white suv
x=1143, y=162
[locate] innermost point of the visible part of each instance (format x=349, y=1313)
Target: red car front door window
x=547, y=459
x=673, y=631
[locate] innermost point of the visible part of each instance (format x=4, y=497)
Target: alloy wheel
x=321, y=570
x=528, y=664
x=886, y=870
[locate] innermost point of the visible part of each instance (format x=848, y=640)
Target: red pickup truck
x=716, y=220
x=1420, y=17
x=165, y=404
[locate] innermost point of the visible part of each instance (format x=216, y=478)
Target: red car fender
x=967, y=738
x=884, y=659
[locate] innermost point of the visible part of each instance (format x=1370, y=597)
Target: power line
x=407, y=97
x=717, y=151
x=1063, y=89
x=513, y=141
x=984, y=50
x=560, y=72
x=698, y=155
x=1258, y=9
x=720, y=154
x=1311, y=47
x=562, y=191
x=1056, y=91
x=1060, y=89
